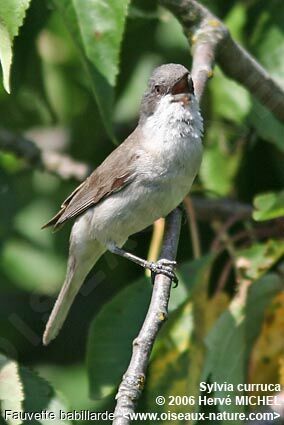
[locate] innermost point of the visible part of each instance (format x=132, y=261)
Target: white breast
x=167, y=164
x=172, y=142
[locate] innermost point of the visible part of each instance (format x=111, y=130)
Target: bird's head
x=170, y=81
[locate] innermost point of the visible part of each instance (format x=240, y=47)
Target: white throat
x=173, y=120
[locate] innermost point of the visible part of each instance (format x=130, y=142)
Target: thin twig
x=215, y=246
x=228, y=243
x=244, y=236
x=133, y=380
x=220, y=209
x=223, y=278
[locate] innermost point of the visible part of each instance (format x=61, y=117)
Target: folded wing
x=112, y=175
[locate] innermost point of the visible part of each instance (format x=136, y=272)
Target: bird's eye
x=157, y=89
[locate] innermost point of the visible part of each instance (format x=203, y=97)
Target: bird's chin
x=183, y=98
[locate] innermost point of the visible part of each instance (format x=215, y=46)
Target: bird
x=143, y=179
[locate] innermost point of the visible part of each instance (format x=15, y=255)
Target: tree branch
x=208, y=36
x=133, y=380
x=51, y=161
x=65, y=167
x=238, y=64
x=220, y=209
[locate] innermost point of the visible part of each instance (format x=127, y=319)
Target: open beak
x=181, y=91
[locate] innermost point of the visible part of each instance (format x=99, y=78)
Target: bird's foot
x=165, y=267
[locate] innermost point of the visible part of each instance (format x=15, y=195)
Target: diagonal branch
x=208, y=36
x=133, y=380
x=238, y=64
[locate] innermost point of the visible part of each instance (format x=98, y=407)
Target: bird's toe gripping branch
x=163, y=266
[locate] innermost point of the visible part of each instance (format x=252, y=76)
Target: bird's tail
x=77, y=270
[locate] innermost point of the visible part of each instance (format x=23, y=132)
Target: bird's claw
x=165, y=267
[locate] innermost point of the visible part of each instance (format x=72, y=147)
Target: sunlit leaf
x=268, y=206
x=230, y=342
x=254, y=261
x=101, y=26
x=97, y=28
x=22, y=390
x=12, y=14
x=267, y=360
x=11, y=388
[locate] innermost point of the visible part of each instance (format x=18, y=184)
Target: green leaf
x=266, y=125
x=5, y=55
x=221, y=159
x=192, y=275
x=127, y=107
x=101, y=26
x=12, y=14
x=235, y=20
x=231, y=101
x=22, y=390
x=268, y=206
x=11, y=389
x=111, y=335
x=21, y=261
x=119, y=322
x=71, y=381
x=230, y=341
x=170, y=366
x=256, y=260
x=97, y=28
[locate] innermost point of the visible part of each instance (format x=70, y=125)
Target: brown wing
x=111, y=176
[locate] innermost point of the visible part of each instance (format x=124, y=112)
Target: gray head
x=167, y=79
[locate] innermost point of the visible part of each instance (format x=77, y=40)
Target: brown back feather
x=112, y=175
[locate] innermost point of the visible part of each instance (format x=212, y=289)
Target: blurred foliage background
x=76, y=91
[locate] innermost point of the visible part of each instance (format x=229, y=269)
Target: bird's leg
x=162, y=266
